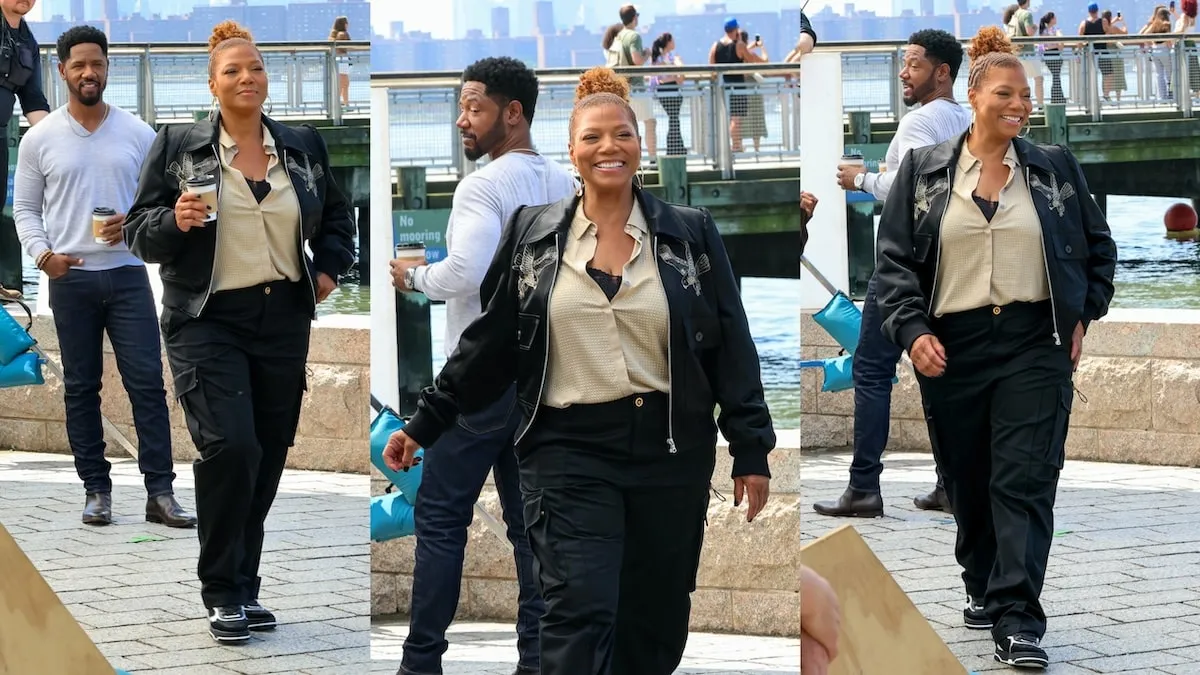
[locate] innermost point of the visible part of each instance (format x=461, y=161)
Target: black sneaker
x=258, y=617
x=1022, y=651
x=974, y=617
x=228, y=624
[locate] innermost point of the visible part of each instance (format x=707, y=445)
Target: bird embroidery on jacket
x=529, y=269
x=924, y=194
x=187, y=168
x=689, y=268
x=1055, y=196
x=308, y=173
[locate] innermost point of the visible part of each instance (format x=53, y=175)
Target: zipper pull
x=714, y=491
x=1057, y=341
x=671, y=446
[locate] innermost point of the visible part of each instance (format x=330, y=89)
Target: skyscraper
x=500, y=23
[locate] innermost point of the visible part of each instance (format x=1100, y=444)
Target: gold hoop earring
x=1025, y=129
x=268, y=105
x=639, y=182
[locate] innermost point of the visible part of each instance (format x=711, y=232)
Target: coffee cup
x=853, y=159
x=415, y=251
x=100, y=216
x=206, y=188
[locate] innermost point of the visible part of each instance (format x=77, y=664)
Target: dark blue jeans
x=455, y=469
x=117, y=301
x=874, y=366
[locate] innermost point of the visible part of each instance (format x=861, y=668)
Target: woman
x=340, y=32
x=754, y=126
x=1187, y=24
x=239, y=296
x=666, y=88
x=615, y=462
x=612, y=57
x=1052, y=55
x=1160, y=50
x=1112, y=65
x=995, y=338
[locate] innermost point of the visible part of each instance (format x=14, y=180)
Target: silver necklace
x=77, y=123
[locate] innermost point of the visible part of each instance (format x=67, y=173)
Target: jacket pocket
x=527, y=328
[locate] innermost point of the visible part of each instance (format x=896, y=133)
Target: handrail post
x=146, y=91
x=413, y=332
x=1092, y=73
x=1183, y=81
x=332, y=84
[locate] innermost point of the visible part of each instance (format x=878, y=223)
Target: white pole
x=385, y=375
x=821, y=147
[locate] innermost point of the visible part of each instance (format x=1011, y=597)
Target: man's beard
x=485, y=143
x=919, y=94
x=88, y=100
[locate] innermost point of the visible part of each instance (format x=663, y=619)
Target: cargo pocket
x=291, y=435
x=197, y=412
x=1062, y=425
x=537, y=532
x=694, y=564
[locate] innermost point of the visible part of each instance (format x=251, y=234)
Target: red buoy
x=1180, y=218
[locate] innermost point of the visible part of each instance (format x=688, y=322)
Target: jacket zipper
x=671, y=449
x=1046, y=263
x=545, y=355
x=212, y=273
x=312, y=286
x=937, y=259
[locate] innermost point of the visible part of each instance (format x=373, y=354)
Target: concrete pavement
x=1122, y=592
x=133, y=588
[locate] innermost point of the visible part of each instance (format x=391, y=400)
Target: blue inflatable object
x=15, y=339
x=838, y=373
x=391, y=517
x=842, y=319
x=21, y=371
x=386, y=423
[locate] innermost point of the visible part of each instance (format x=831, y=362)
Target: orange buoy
x=1180, y=218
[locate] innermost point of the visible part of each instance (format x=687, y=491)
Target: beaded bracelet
x=43, y=257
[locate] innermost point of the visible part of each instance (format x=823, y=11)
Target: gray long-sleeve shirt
x=935, y=122
x=63, y=173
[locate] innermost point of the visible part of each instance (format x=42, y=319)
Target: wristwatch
x=410, y=278
x=858, y=181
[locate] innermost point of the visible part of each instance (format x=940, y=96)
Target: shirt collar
x=967, y=161
x=228, y=143
x=580, y=225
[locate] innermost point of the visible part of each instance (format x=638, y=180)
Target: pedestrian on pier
x=88, y=154
x=994, y=338
x=239, y=297
x=930, y=68
x=20, y=79
x=620, y=319
x=498, y=103
x=340, y=32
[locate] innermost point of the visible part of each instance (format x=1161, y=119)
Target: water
x=1152, y=271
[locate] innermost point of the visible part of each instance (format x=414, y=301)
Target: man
x=89, y=154
x=731, y=50
x=931, y=63
x=630, y=52
x=1022, y=24
x=20, y=78
x=499, y=96
x=806, y=43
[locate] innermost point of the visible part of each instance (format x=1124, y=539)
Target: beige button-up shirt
x=994, y=263
x=256, y=243
x=603, y=350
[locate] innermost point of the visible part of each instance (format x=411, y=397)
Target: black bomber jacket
x=186, y=259
x=1079, y=255
x=712, y=357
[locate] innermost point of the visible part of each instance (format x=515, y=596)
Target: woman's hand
x=1076, y=346
x=814, y=660
x=808, y=203
x=928, y=355
x=820, y=613
x=756, y=489
x=189, y=211
x=400, y=453
x=325, y=286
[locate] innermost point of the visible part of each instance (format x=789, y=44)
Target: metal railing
x=168, y=82
x=423, y=107
x=1129, y=73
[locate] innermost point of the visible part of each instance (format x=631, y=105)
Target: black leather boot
x=164, y=510
x=934, y=501
x=853, y=504
x=97, y=509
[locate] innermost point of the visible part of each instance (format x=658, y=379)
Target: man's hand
x=111, y=231
x=756, y=489
x=808, y=203
x=325, y=286
x=58, y=265
x=820, y=612
x=814, y=659
x=846, y=174
x=1076, y=346
x=928, y=355
x=399, y=267
x=400, y=452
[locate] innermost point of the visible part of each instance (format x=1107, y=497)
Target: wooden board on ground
x=37, y=633
x=883, y=633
